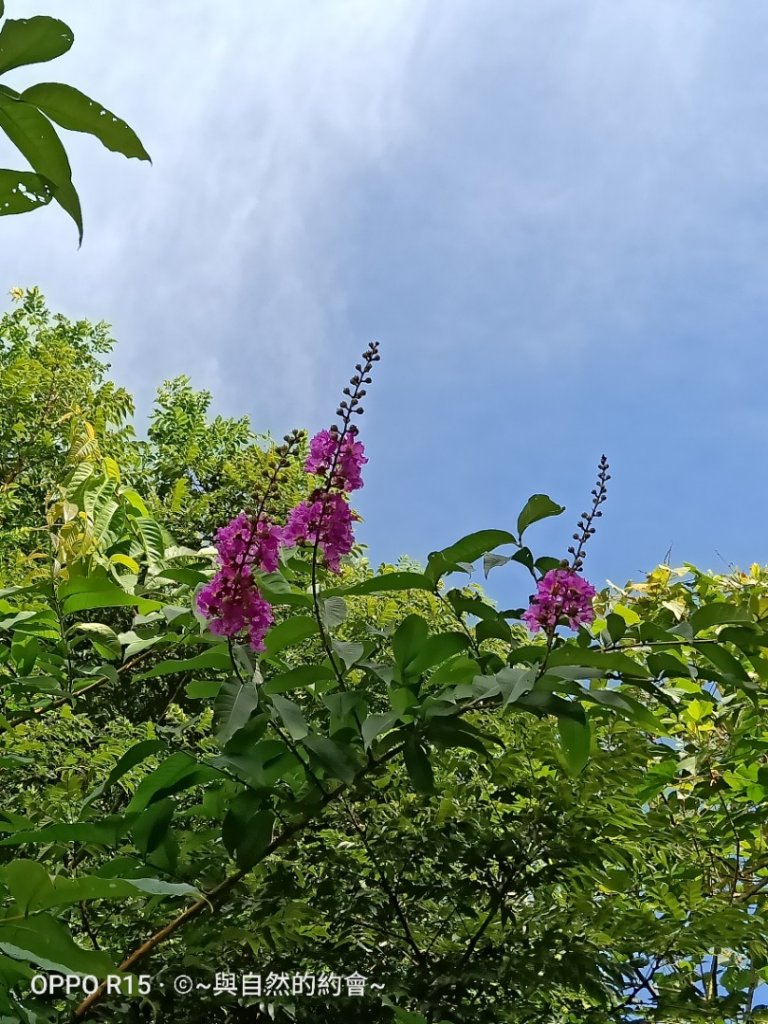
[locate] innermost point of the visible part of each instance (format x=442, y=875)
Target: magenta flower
x=232, y=602
x=245, y=542
x=349, y=455
x=561, y=593
x=326, y=521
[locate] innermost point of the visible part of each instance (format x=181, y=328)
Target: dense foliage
x=27, y=118
x=405, y=785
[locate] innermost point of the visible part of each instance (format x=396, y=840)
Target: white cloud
x=219, y=260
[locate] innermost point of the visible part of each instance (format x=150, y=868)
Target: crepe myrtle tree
x=401, y=697
x=302, y=741
x=27, y=118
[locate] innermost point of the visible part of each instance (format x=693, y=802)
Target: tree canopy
x=481, y=815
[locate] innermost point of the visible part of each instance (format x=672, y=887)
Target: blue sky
x=553, y=216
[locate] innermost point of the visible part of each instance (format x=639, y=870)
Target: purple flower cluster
x=232, y=600
x=326, y=521
x=349, y=456
x=560, y=593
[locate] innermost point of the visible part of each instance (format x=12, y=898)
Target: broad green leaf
x=349, y=651
x=574, y=742
x=32, y=41
x=291, y=717
x=33, y=889
x=202, y=689
x=375, y=725
x=72, y=110
x=390, y=582
x=608, y=661
x=151, y=538
x=418, y=764
x=491, y=561
x=151, y=830
x=234, y=705
x=176, y=773
x=538, y=506
x=302, y=675
x=216, y=658
x=35, y=137
x=247, y=829
x=47, y=943
x=408, y=639
x=289, y=632
x=126, y=561
x=21, y=191
x=334, y=611
x=134, y=755
x=724, y=661
x=103, y=637
x=332, y=757
x=468, y=549
x=107, y=832
x=84, y=593
x=626, y=706
x=455, y=732
x=261, y=764
x=434, y=651
x=715, y=615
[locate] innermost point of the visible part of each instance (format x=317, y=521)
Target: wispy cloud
x=261, y=118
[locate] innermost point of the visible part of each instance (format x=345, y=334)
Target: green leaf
x=289, y=632
x=107, y=832
x=234, y=705
x=455, y=732
x=724, y=661
x=468, y=549
x=574, y=741
x=349, y=651
x=34, y=890
x=408, y=639
x=390, y=582
x=151, y=538
x=332, y=757
x=302, y=675
x=84, y=593
x=247, y=829
x=46, y=942
x=103, y=638
x=491, y=561
x=629, y=708
x=715, y=614
x=418, y=765
x=134, y=755
x=590, y=657
x=32, y=41
x=21, y=191
x=202, y=689
x=334, y=611
x=35, y=137
x=291, y=716
x=538, y=506
x=262, y=763
x=176, y=773
x=151, y=829
x=434, y=651
x=375, y=725
x=72, y=110
x=217, y=658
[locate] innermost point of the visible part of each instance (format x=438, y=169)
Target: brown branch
x=217, y=895
x=419, y=955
